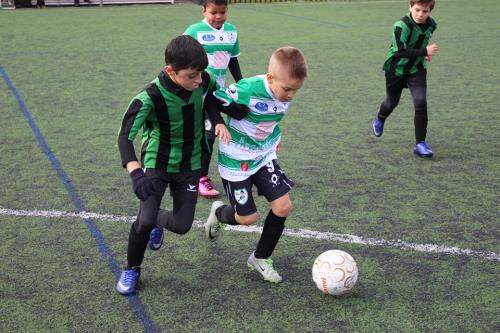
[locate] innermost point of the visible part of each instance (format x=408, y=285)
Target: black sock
x=273, y=228
x=225, y=214
x=136, y=247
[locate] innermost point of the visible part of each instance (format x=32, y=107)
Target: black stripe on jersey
x=395, y=61
x=406, y=20
x=126, y=146
x=164, y=122
x=411, y=63
x=188, y=135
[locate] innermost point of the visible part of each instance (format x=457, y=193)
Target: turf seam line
x=104, y=250
x=300, y=233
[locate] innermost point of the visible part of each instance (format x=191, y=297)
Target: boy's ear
x=169, y=70
x=269, y=78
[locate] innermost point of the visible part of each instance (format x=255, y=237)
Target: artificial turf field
x=67, y=77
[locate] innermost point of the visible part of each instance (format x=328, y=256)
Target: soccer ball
x=335, y=272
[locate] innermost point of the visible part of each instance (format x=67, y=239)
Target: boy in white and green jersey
x=250, y=157
x=220, y=41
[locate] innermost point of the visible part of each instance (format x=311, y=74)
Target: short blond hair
x=288, y=61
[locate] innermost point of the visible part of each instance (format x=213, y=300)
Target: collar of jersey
x=167, y=83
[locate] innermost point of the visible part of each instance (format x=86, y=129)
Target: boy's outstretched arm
x=233, y=109
x=213, y=112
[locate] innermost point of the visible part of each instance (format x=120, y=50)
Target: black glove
x=142, y=185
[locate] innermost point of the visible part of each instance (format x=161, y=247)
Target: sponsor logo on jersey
x=208, y=37
x=261, y=106
x=241, y=196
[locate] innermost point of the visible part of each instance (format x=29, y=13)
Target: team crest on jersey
x=241, y=196
x=232, y=92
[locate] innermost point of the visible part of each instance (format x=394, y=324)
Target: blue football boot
x=378, y=126
x=128, y=280
x=155, y=239
x=422, y=149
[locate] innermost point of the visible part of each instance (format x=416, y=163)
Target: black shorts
x=270, y=181
x=183, y=188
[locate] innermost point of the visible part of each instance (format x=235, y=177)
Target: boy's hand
x=222, y=132
x=141, y=184
x=428, y=58
x=432, y=49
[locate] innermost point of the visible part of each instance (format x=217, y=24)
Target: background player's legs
x=418, y=90
x=394, y=86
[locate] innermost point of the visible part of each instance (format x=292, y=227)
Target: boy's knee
x=182, y=229
x=420, y=105
x=246, y=220
x=283, y=209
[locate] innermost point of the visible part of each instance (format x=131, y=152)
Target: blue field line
x=105, y=251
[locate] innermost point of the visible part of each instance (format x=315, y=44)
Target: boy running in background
x=250, y=159
x=406, y=67
x=169, y=113
x=220, y=40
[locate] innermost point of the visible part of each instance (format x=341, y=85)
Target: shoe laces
x=156, y=233
x=129, y=276
x=207, y=184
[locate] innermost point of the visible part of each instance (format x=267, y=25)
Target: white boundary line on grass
x=301, y=233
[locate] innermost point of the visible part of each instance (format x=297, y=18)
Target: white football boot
x=264, y=267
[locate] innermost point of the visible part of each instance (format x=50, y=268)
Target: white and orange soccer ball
x=335, y=272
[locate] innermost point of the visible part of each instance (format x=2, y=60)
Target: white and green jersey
x=255, y=137
x=220, y=44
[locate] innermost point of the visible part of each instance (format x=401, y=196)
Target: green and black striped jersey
x=407, y=53
x=172, y=124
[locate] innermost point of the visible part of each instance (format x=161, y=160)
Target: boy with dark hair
x=406, y=67
x=220, y=40
x=169, y=112
x=250, y=157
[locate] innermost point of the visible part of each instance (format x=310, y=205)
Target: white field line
x=302, y=233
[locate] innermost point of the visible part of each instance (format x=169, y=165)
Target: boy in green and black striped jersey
x=250, y=158
x=220, y=40
x=169, y=113
x=406, y=67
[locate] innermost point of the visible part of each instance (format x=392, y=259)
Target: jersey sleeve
x=190, y=32
x=238, y=92
x=236, y=49
x=133, y=121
